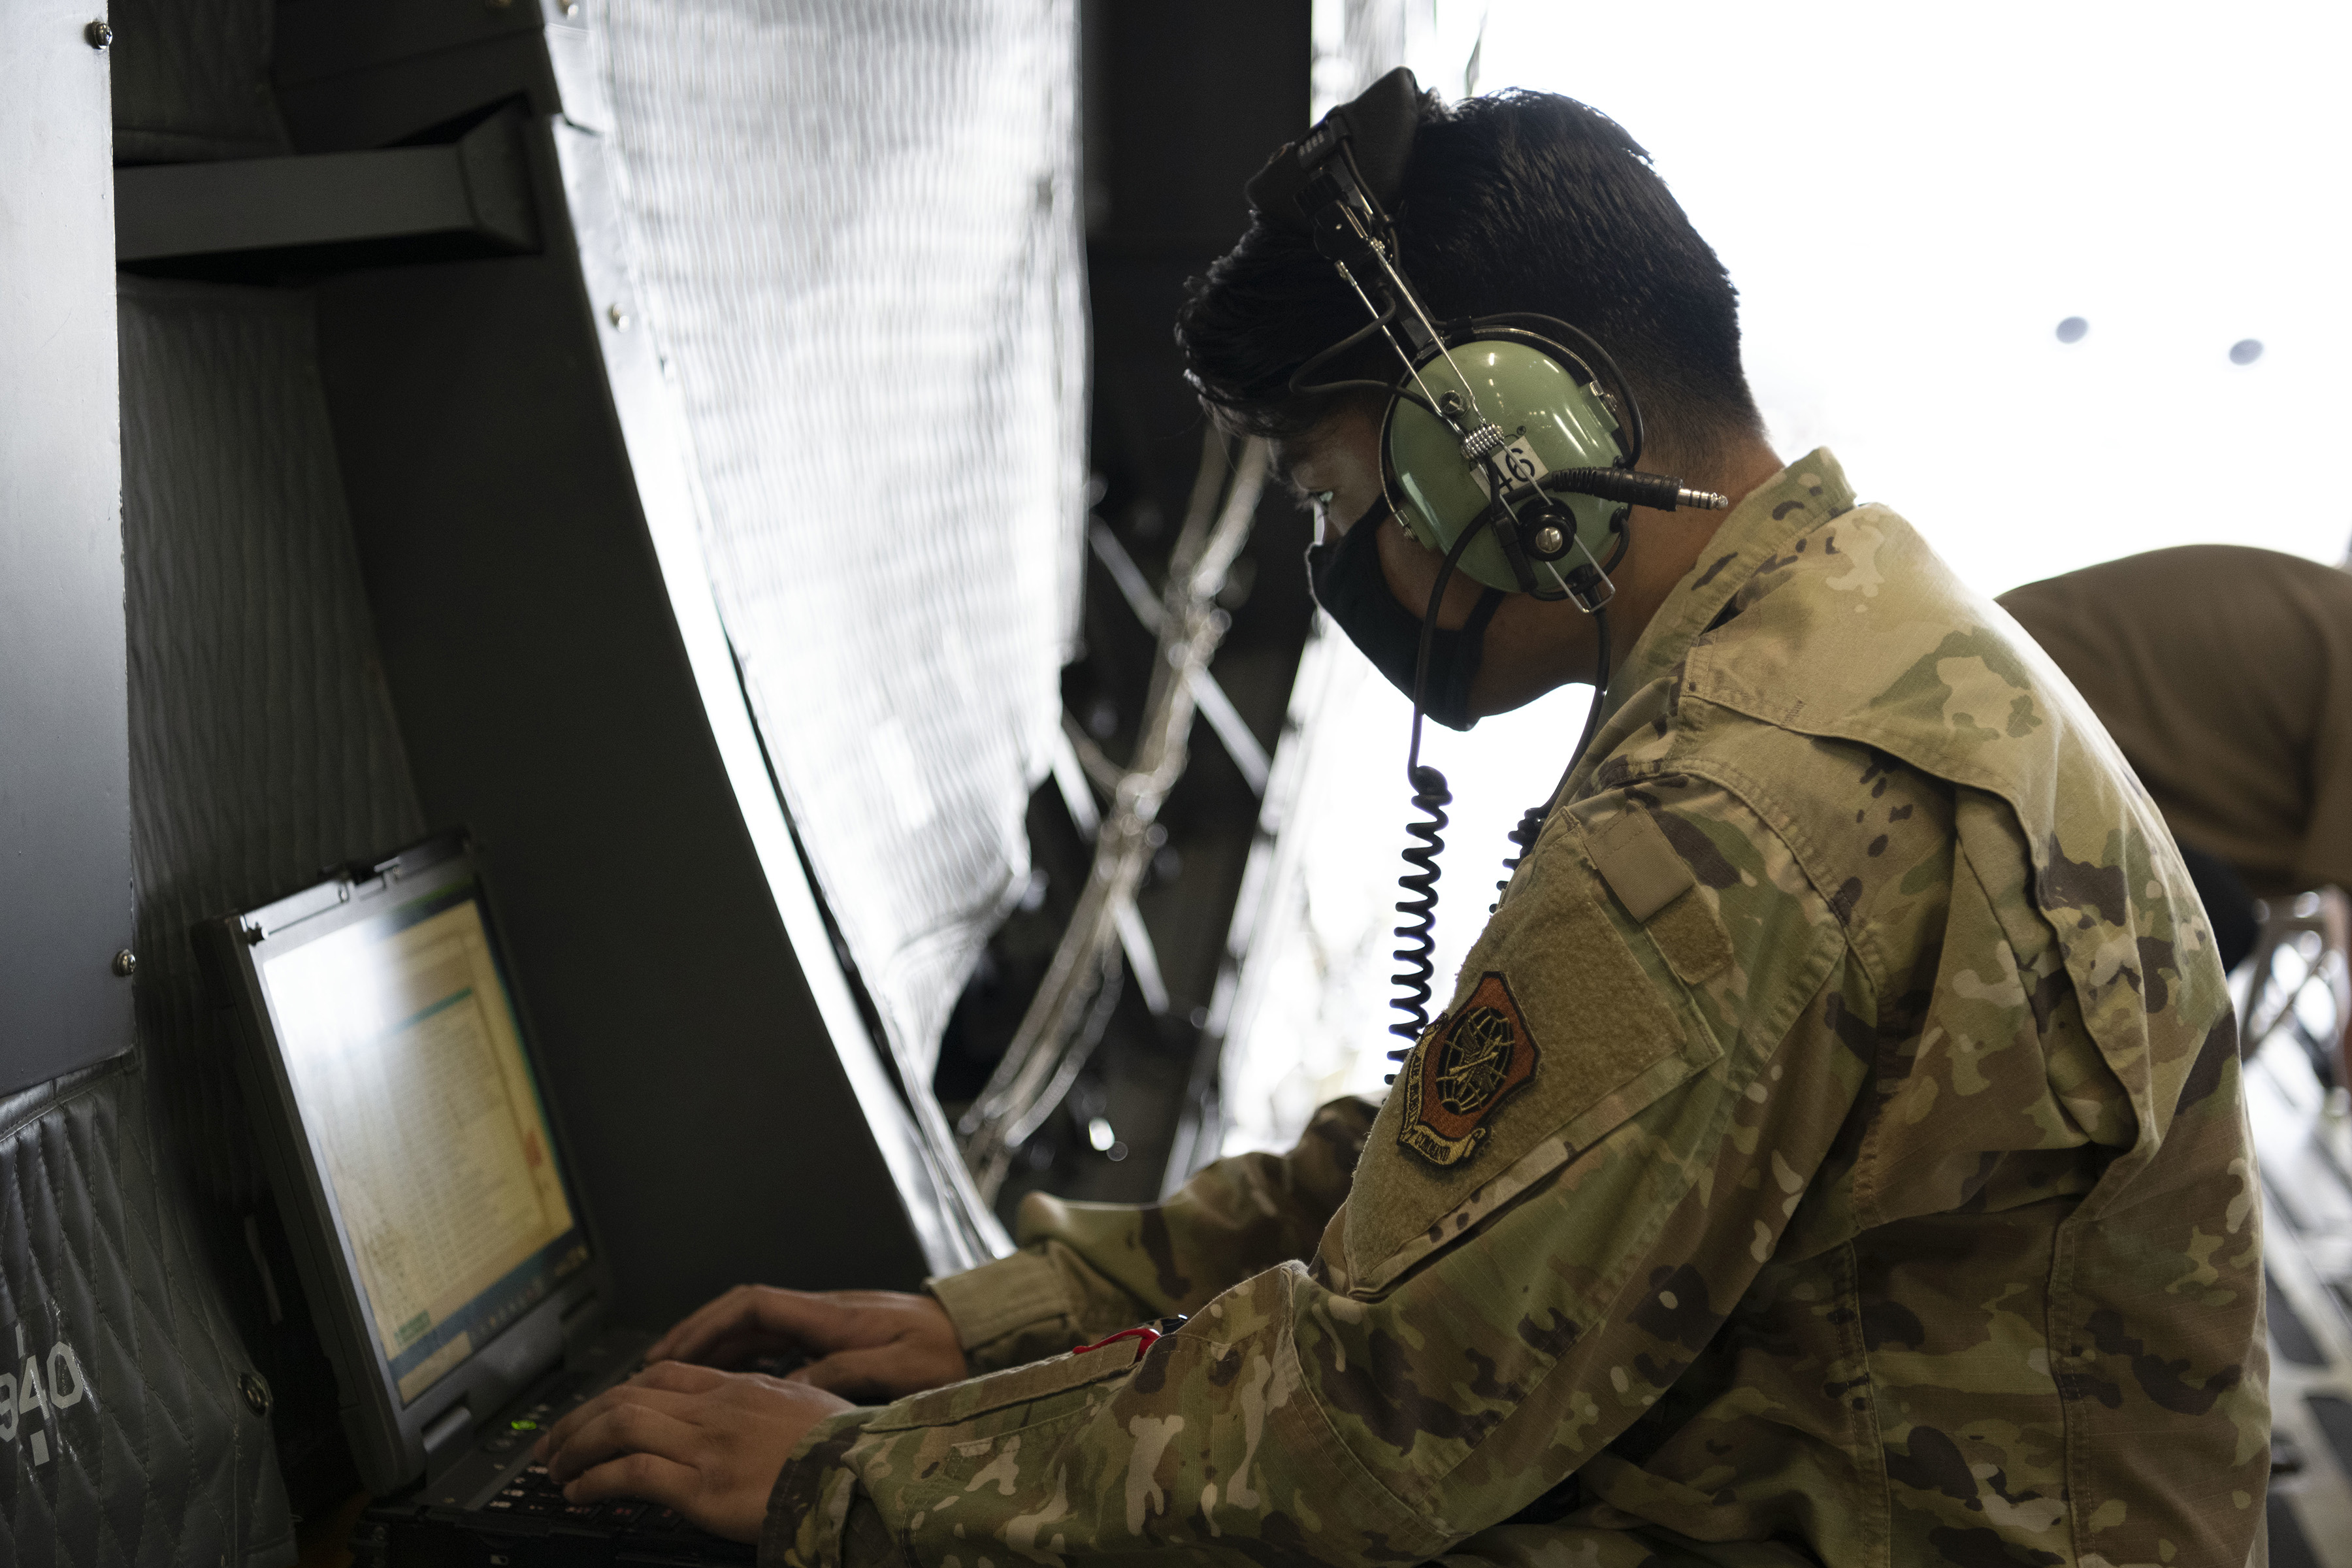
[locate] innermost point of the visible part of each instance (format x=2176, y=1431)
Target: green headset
x=1503, y=448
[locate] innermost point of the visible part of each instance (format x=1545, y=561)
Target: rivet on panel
x=99, y=34
x=618, y=317
x=125, y=962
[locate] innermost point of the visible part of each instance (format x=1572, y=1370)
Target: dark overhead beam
x=476, y=188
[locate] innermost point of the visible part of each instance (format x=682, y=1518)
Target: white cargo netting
x=856, y=228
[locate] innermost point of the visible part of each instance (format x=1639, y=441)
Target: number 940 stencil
x=42, y=1386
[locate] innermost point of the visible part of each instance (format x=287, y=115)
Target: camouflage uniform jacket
x=1833, y=1152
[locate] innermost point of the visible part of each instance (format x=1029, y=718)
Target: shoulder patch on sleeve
x=1482, y=1055
x=1650, y=879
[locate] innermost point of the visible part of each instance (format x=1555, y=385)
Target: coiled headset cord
x=1531, y=821
x=1418, y=907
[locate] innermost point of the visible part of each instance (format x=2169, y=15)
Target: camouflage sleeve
x=1476, y=1327
x=1084, y=1270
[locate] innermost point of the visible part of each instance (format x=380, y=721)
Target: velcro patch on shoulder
x=1659, y=891
x=1641, y=867
x=1557, y=1035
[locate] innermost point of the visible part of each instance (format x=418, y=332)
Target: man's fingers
x=715, y=1320
x=875, y=1368
x=660, y=1386
x=753, y=1318
x=648, y=1476
x=647, y=1422
x=736, y=1351
x=739, y=1321
x=818, y=1321
x=555, y=1437
x=678, y=1377
x=706, y=1443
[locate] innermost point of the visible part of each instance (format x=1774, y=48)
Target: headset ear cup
x=1408, y=517
x=1615, y=389
x=1526, y=407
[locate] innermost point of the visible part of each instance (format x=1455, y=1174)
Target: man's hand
x=865, y=1344
x=709, y=1444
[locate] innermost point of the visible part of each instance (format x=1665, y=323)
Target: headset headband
x=1376, y=128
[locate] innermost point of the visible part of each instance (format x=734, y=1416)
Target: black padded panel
x=262, y=746
x=262, y=750
x=142, y=1447
x=192, y=79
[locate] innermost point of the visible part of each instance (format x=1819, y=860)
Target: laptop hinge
x=448, y=1440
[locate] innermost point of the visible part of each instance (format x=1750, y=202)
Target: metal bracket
x=1608, y=588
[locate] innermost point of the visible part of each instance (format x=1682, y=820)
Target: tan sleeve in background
x=2325, y=857
x=2224, y=675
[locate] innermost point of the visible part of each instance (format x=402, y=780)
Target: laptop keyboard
x=535, y=1494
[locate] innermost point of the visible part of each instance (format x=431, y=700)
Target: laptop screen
x=400, y=1041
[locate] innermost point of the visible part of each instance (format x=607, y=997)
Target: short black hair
x=1518, y=201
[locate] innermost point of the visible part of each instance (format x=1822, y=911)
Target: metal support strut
x=1065, y=1019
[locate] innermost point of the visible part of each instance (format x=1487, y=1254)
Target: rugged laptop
x=454, y=1280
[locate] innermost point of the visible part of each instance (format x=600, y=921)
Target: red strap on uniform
x=1144, y=1340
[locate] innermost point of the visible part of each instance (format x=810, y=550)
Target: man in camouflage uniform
x=1833, y=1150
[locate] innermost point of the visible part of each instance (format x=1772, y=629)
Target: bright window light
x=1913, y=201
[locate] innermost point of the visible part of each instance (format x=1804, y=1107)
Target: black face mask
x=1348, y=583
